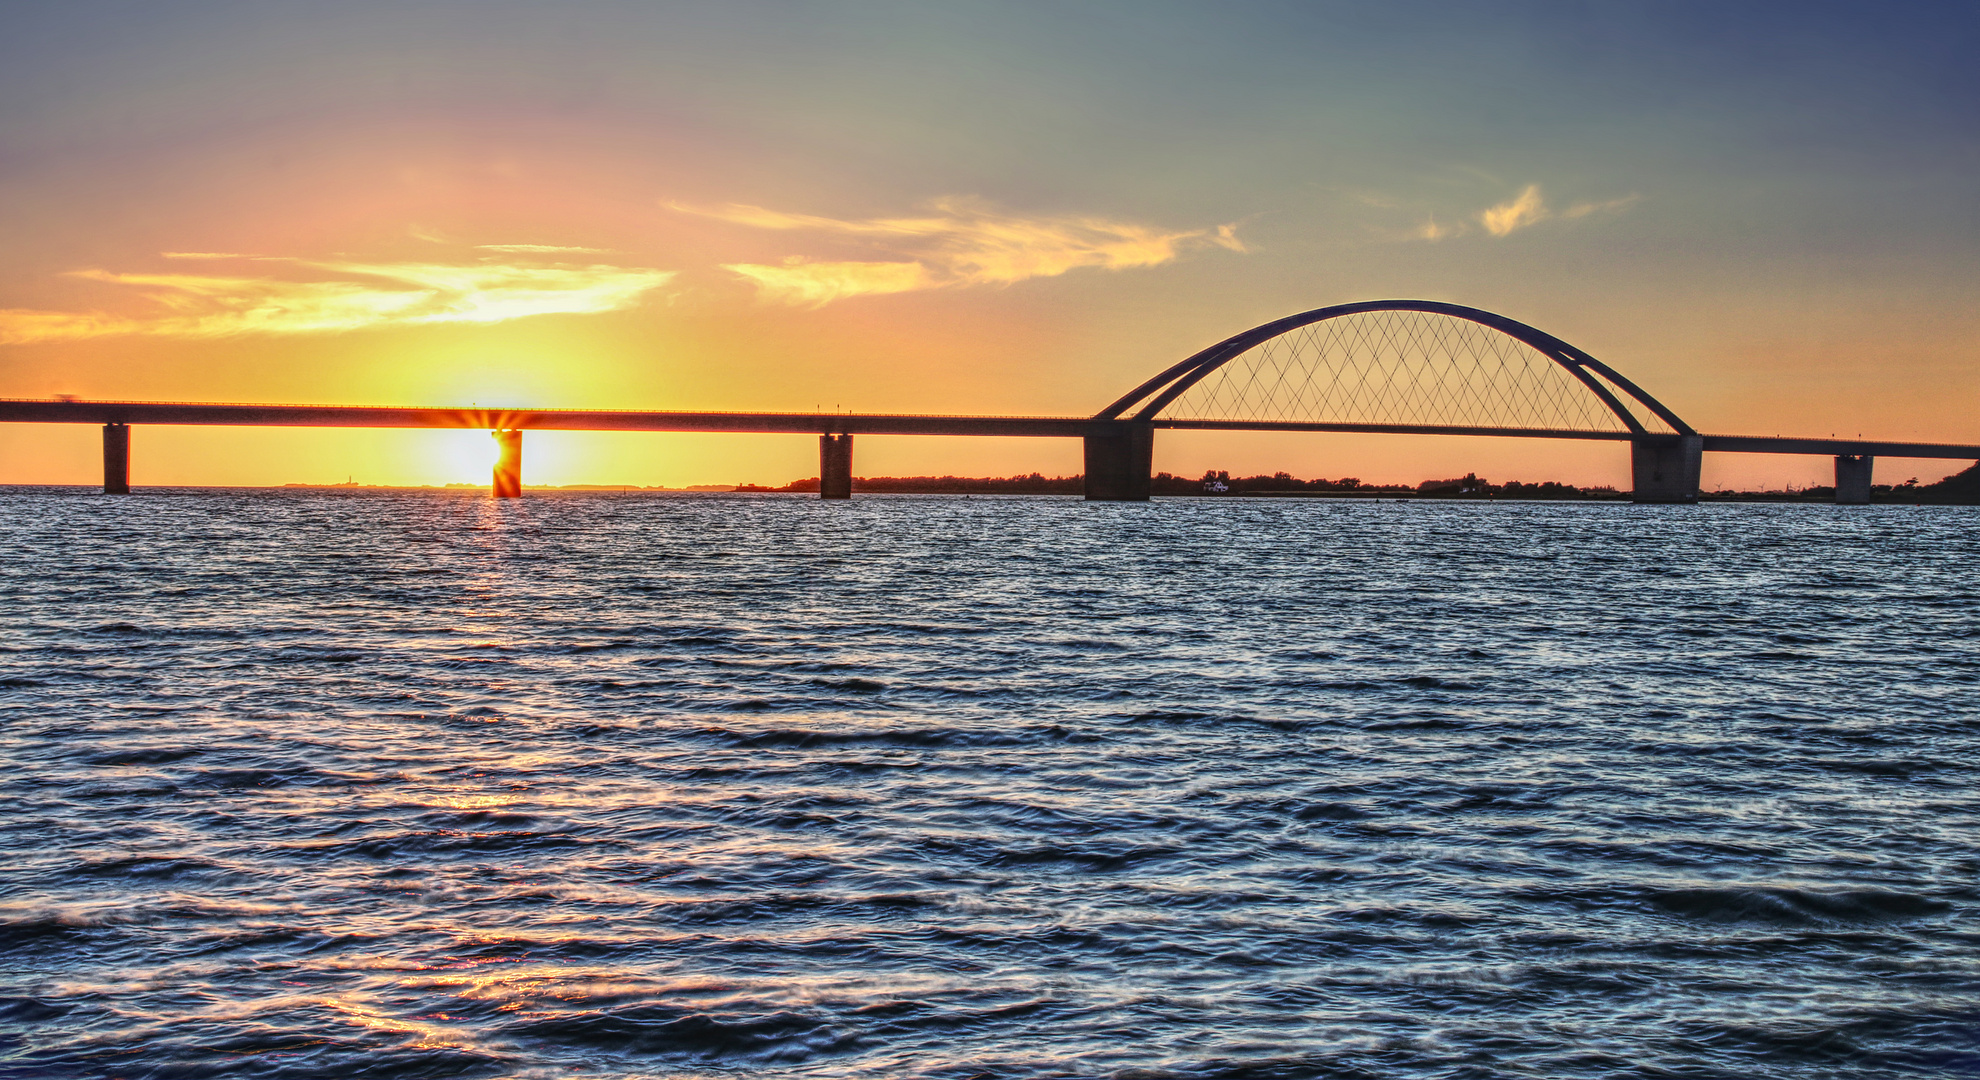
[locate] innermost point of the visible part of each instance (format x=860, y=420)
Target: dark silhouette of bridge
x=1403, y=367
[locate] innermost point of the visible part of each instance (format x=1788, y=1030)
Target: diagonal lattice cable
x=1397, y=367
x=1407, y=363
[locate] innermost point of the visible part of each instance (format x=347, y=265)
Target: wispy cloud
x=813, y=284
x=341, y=296
x=1376, y=199
x=543, y=249
x=1432, y=231
x=18, y=326
x=1529, y=208
x=1610, y=206
x=960, y=242
x=1526, y=208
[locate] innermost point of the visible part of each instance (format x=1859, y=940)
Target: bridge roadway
x=1113, y=446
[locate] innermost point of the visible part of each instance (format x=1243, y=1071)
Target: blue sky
x=1764, y=213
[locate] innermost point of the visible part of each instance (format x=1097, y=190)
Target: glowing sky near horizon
x=1769, y=223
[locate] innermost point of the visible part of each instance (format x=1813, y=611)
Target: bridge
x=1405, y=367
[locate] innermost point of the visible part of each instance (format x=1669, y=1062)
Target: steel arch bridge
x=1418, y=367
x=1414, y=367
x=1404, y=363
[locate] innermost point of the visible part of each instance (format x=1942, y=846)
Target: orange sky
x=944, y=212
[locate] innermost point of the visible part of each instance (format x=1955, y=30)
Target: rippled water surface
x=339, y=784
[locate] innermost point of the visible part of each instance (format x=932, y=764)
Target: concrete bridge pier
x=508, y=467
x=1665, y=468
x=835, y=466
x=1119, y=462
x=117, y=459
x=1853, y=479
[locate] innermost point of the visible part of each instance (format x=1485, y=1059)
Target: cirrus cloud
x=1606, y=206
x=1529, y=208
x=543, y=249
x=339, y=296
x=815, y=284
x=1522, y=211
x=959, y=242
x=1526, y=208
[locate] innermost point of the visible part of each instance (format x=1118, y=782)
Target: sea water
x=325, y=784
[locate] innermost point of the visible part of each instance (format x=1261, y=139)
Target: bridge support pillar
x=1853, y=479
x=1665, y=468
x=508, y=467
x=835, y=466
x=1118, y=463
x=116, y=459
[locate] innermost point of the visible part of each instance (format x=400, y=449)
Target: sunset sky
x=1767, y=216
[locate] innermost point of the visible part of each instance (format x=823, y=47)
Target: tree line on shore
x=1962, y=489
x=1213, y=482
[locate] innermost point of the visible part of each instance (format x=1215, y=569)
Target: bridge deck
x=248, y=415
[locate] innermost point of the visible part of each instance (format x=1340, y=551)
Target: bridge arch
x=1399, y=365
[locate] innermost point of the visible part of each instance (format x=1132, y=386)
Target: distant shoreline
x=1943, y=493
